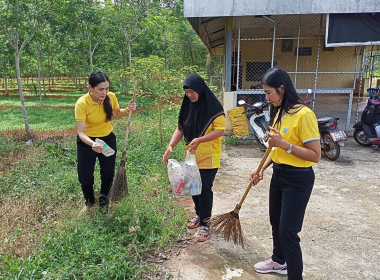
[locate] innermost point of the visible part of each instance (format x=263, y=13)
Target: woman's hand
x=132, y=105
x=194, y=145
x=275, y=139
x=256, y=178
x=166, y=155
x=97, y=148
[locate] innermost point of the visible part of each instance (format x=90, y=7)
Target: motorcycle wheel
x=330, y=148
x=361, y=139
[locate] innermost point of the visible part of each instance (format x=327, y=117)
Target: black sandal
x=194, y=222
x=204, y=234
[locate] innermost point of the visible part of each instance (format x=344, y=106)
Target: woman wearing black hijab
x=201, y=123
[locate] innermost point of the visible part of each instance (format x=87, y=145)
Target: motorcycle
x=331, y=136
x=367, y=131
x=259, y=121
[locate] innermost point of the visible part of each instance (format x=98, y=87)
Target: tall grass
x=99, y=246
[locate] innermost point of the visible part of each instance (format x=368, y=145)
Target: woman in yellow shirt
x=295, y=138
x=93, y=113
x=201, y=123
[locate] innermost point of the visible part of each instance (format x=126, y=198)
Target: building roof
x=220, y=8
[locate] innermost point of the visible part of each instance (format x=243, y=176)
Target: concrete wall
x=215, y=8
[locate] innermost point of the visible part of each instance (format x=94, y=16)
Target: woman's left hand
x=132, y=105
x=194, y=145
x=274, y=138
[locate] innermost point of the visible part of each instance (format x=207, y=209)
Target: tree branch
x=8, y=36
x=27, y=40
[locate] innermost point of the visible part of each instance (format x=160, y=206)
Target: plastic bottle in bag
x=107, y=150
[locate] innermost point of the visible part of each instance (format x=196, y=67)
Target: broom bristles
x=228, y=225
x=119, y=188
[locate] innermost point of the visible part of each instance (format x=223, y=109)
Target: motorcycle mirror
x=241, y=102
x=309, y=90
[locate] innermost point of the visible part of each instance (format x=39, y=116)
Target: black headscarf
x=195, y=117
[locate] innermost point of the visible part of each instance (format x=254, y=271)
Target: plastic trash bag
x=184, y=176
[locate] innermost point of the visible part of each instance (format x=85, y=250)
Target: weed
x=40, y=188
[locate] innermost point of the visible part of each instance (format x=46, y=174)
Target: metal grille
x=296, y=44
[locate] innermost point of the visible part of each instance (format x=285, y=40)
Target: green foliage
x=101, y=247
x=230, y=140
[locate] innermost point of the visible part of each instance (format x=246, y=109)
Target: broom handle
x=257, y=173
x=128, y=123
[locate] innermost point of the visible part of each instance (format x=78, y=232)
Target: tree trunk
x=84, y=73
x=208, y=63
x=130, y=60
x=19, y=84
x=125, y=68
x=49, y=77
x=5, y=77
x=39, y=72
x=191, y=54
x=90, y=48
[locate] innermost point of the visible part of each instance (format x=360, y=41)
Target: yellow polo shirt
x=87, y=110
x=208, y=153
x=298, y=127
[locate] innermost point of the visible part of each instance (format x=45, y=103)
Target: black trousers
x=203, y=202
x=86, y=165
x=289, y=193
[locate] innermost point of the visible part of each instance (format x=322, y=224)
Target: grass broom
x=228, y=224
x=119, y=187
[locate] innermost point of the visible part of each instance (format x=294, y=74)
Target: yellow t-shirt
x=298, y=127
x=87, y=110
x=208, y=153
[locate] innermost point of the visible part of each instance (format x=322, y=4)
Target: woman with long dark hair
x=201, y=123
x=295, y=138
x=93, y=113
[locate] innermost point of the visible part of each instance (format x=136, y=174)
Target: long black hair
x=96, y=78
x=276, y=77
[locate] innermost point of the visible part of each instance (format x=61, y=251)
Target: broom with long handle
x=119, y=187
x=229, y=224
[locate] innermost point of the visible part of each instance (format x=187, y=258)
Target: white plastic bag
x=184, y=176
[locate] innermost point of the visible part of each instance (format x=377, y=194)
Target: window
x=287, y=45
x=256, y=70
x=304, y=51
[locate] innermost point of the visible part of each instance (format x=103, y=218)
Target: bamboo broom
x=119, y=188
x=229, y=224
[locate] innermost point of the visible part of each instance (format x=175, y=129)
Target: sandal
x=194, y=222
x=203, y=234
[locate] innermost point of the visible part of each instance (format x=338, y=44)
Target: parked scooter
x=259, y=120
x=367, y=131
x=330, y=135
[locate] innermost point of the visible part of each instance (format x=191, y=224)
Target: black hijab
x=195, y=117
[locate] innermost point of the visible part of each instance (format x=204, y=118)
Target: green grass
x=101, y=247
x=39, y=119
x=42, y=118
x=68, y=101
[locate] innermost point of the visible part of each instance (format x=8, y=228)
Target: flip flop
x=194, y=222
x=204, y=234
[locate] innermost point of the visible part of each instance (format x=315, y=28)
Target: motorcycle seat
x=325, y=120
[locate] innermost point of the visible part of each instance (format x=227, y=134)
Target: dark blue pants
x=289, y=193
x=203, y=202
x=86, y=165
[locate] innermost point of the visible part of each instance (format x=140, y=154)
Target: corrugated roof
x=219, y=8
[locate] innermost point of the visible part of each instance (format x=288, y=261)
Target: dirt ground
x=340, y=236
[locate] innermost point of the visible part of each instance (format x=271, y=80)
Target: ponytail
x=96, y=78
x=108, y=108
